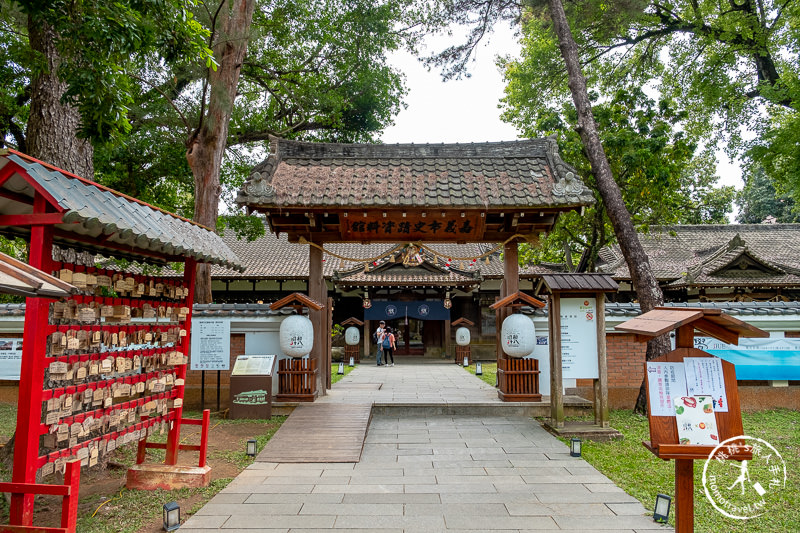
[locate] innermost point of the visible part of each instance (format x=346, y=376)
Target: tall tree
x=482, y=14
x=663, y=176
x=759, y=200
x=644, y=281
x=206, y=145
x=70, y=61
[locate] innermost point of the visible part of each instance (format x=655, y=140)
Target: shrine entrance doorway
x=499, y=193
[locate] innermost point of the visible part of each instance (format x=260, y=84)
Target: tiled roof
x=418, y=275
x=527, y=173
x=101, y=218
x=274, y=257
x=579, y=282
x=716, y=255
x=741, y=309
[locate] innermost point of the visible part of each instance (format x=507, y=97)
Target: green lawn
x=335, y=376
x=629, y=464
x=489, y=372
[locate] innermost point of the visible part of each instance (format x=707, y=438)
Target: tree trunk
x=52, y=126
x=206, y=147
x=642, y=277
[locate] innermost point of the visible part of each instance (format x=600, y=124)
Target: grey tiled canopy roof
x=105, y=220
x=716, y=255
x=274, y=257
x=515, y=174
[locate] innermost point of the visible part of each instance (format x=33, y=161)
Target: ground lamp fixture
x=661, y=511
x=172, y=516
x=252, y=446
x=478, y=369
x=575, y=447
x=341, y=368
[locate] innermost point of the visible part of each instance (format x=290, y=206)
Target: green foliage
x=337, y=330
x=758, y=199
x=637, y=471
x=101, y=43
x=663, y=176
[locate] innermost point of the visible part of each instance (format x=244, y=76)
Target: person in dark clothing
x=388, y=345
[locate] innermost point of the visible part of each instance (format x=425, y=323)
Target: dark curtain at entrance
x=421, y=310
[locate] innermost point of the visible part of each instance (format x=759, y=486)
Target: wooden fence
x=297, y=380
x=518, y=380
x=461, y=353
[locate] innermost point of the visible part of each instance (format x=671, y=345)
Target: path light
x=575, y=447
x=252, y=446
x=661, y=512
x=478, y=369
x=341, y=368
x=172, y=516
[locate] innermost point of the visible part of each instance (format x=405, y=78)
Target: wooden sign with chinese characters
x=395, y=227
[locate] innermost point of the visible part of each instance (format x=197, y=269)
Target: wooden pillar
x=317, y=290
x=556, y=382
x=329, y=344
x=34, y=348
x=684, y=496
x=684, y=337
x=601, y=383
x=174, y=435
x=367, y=338
x=447, y=339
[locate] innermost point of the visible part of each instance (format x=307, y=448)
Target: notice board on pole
x=579, y=338
x=211, y=344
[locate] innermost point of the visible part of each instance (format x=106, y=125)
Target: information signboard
x=579, y=338
x=211, y=344
x=10, y=358
x=254, y=365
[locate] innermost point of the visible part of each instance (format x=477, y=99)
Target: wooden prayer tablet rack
x=663, y=441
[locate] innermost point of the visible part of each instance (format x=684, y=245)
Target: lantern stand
x=297, y=378
x=592, y=288
x=517, y=379
x=352, y=351
x=464, y=351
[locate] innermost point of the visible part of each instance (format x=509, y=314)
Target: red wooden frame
x=27, y=461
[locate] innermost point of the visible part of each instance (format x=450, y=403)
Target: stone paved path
x=428, y=474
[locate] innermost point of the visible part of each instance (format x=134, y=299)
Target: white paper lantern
x=352, y=336
x=462, y=337
x=518, y=336
x=297, y=336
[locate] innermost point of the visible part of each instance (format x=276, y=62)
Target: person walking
x=388, y=344
x=377, y=337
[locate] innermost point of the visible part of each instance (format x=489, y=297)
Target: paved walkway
x=428, y=474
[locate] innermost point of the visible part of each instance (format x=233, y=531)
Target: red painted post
x=69, y=506
x=174, y=437
x=684, y=495
x=204, y=437
x=34, y=348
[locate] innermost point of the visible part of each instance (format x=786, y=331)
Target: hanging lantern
x=518, y=336
x=462, y=336
x=296, y=336
x=352, y=336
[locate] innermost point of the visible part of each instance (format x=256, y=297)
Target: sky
x=466, y=110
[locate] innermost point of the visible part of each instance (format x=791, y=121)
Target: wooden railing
x=518, y=380
x=297, y=380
